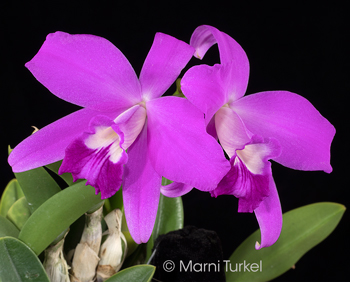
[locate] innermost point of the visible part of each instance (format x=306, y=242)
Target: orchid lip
x=106, y=137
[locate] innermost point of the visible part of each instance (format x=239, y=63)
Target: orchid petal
x=211, y=87
x=141, y=190
x=49, y=143
x=131, y=123
x=231, y=131
x=211, y=128
x=98, y=157
x=180, y=149
x=164, y=62
x=175, y=189
x=304, y=134
x=86, y=70
x=201, y=86
x=205, y=36
x=269, y=216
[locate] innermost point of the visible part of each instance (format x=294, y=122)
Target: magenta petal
x=304, y=134
x=175, y=189
x=205, y=36
x=86, y=70
x=211, y=128
x=97, y=156
x=49, y=143
x=131, y=123
x=201, y=86
x=141, y=190
x=179, y=146
x=164, y=62
x=210, y=87
x=269, y=216
x=231, y=131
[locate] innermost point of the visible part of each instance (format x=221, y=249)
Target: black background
x=303, y=49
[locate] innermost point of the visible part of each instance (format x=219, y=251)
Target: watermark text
x=227, y=265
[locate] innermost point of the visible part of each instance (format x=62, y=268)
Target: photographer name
x=215, y=267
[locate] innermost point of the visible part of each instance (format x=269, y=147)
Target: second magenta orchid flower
x=277, y=125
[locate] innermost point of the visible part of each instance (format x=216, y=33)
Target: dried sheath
x=111, y=254
x=86, y=258
x=55, y=265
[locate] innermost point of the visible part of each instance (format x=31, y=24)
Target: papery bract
x=302, y=133
x=126, y=134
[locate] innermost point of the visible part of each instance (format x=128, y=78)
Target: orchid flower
x=125, y=134
x=277, y=125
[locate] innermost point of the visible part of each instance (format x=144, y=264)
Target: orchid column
x=125, y=134
x=277, y=125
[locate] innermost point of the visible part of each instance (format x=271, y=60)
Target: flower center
x=105, y=137
x=131, y=123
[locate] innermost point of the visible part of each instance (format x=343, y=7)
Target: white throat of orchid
x=253, y=156
x=119, y=136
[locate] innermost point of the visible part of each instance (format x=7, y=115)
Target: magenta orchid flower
x=125, y=134
x=277, y=125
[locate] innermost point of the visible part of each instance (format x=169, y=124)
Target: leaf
x=67, y=177
x=37, y=186
x=303, y=228
x=19, y=213
x=116, y=201
x=57, y=214
x=7, y=228
x=10, y=195
x=19, y=263
x=140, y=273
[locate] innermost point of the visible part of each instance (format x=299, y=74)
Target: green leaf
x=7, y=228
x=139, y=273
x=19, y=263
x=10, y=195
x=116, y=201
x=37, y=186
x=67, y=177
x=57, y=214
x=19, y=213
x=303, y=228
